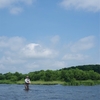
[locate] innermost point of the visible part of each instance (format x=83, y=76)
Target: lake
x=49, y=92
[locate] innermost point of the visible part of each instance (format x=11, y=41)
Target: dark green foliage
x=70, y=75
x=19, y=76
x=2, y=77
x=96, y=68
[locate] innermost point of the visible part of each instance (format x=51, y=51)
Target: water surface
x=49, y=92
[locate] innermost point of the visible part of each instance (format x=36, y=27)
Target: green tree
x=48, y=75
x=18, y=75
x=13, y=78
x=2, y=77
x=8, y=75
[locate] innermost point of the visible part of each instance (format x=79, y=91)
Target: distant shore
x=72, y=83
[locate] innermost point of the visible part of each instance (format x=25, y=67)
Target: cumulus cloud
x=85, y=43
x=17, y=53
x=13, y=43
x=15, y=6
x=33, y=50
x=89, y=5
x=9, y=50
x=10, y=60
x=18, y=45
x=75, y=52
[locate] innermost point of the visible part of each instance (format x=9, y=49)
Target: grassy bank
x=72, y=83
x=83, y=82
x=43, y=82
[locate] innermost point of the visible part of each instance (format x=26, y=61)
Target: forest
x=70, y=75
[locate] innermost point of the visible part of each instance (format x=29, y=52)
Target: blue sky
x=48, y=34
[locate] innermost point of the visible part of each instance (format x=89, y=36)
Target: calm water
x=49, y=92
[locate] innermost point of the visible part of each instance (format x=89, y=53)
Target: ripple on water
x=49, y=92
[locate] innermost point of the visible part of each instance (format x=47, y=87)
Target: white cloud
x=89, y=5
x=9, y=46
x=6, y=3
x=83, y=44
x=59, y=64
x=75, y=57
x=8, y=60
x=17, y=54
x=13, y=43
x=9, y=3
x=33, y=50
x=52, y=64
x=15, y=6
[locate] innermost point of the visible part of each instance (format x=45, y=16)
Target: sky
x=48, y=34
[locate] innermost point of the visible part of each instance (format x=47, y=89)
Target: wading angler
x=27, y=82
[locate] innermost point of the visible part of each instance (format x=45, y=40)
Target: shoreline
x=72, y=83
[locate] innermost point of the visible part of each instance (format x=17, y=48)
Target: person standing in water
x=27, y=82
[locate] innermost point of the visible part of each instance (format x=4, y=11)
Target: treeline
x=68, y=74
x=95, y=68
x=85, y=72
